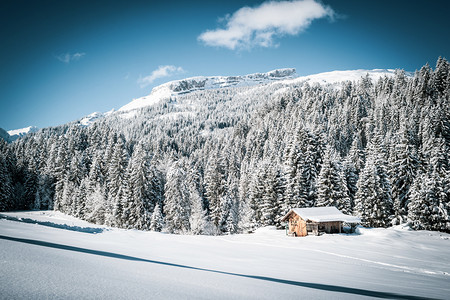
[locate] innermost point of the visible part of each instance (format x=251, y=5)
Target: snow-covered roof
x=323, y=214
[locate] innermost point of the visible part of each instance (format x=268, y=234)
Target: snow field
x=40, y=261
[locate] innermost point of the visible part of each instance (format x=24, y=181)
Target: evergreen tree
x=157, y=221
x=214, y=183
x=331, y=187
x=402, y=173
x=270, y=204
x=423, y=207
x=351, y=179
x=60, y=171
x=5, y=183
x=96, y=206
x=142, y=200
x=176, y=207
x=373, y=203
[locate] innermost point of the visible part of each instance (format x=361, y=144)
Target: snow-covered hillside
x=184, y=86
x=89, y=119
x=287, y=76
x=335, y=77
x=65, y=258
x=18, y=133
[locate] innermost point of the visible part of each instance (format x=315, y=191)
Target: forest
x=230, y=160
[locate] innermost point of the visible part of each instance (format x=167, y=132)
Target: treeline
x=231, y=160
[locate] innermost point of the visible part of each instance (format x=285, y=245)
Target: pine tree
x=142, y=200
x=157, y=221
x=96, y=206
x=422, y=208
x=198, y=219
x=176, y=207
x=357, y=155
x=270, y=198
x=351, y=180
x=60, y=172
x=118, y=170
x=5, y=183
x=214, y=183
x=440, y=75
x=373, y=203
x=402, y=174
x=331, y=187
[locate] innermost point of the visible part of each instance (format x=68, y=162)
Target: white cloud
x=249, y=27
x=162, y=71
x=68, y=57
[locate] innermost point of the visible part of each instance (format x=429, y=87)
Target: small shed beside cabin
x=314, y=220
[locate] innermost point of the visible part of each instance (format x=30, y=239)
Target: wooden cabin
x=315, y=220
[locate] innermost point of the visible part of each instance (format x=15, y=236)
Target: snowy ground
x=45, y=254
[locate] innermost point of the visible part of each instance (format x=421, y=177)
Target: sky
x=62, y=60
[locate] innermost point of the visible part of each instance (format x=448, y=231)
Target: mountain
x=4, y=135
x=18, y=133
x=173, y=89
x=236, y=153
x=287, y=76
x=188, y=85
x=336, y=77
x=89, y=119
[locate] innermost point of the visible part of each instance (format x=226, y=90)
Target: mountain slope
x=286, y=76
x=188, y=85
x=239, y=157
x=18, y=133
x=4, y=135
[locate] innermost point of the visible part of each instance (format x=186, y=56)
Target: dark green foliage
x=232, y=159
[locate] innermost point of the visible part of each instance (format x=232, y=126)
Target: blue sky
x=62, y=60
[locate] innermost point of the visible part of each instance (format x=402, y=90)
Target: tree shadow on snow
x=54, y=225
x=317, y=286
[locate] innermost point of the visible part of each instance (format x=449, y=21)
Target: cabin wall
x=297, y=225
x=300, y=227
x=331, y=227
x=312, y=228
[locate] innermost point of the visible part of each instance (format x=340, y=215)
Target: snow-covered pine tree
x=5, y=182
x=373, y=203
x=177, y=207
x=96, y=205
x=60, y=171
x=140, y=175
x=116, y=179
x=270, y=199
x=157, y=221
x=423, y=204
x=198, y=220
x=357, y=155
x=214, y=183
x=351, y=180
x=331, y=187
x=402, y=173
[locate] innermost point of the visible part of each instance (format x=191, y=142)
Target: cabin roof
x=322, y=214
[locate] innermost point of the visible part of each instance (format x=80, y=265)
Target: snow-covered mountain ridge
x=172, y=89
x=188, y=85
x=287, y=76
x=89, y=119
x=18, y=133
